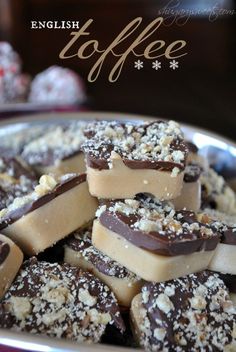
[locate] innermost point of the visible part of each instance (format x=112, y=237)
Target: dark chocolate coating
x=39, y=280
x=192, y=147
x=98, y=157
x=179, y=324
x=4, y=251
x=169, y=244
x=31, y=206
x=227, y=233
x=229, y=236
x=230, y=281
x=192, y=173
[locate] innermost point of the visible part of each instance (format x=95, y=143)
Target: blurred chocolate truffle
x=57, y=85
x=14, y=86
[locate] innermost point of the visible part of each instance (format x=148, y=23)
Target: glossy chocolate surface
x=98, y=149
x=190, y=235
x=4, y=251
x=59, y=301
x=187, y=314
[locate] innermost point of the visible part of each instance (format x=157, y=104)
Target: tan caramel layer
x=10, y=267
x=224, y=259
x=136, y=316
x=124, y=289
x=190, y=197
x=75, y=164
x=46, y=225
x=148, y=266
x=123, y=182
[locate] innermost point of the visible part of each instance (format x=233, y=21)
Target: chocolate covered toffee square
x=59, y=301
x=193, y=313
x=55, y=208
x=124, y=159
x=11, y=259
x=153, y=240
x=58, y=151
x=79, y=251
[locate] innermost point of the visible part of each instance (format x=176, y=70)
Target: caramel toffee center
x=156, y=145
x=157, y=227
x=81, y=242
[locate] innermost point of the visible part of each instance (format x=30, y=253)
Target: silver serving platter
x=220, y=152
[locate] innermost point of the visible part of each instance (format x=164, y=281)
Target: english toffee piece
x=58, y=151
x=59, y=301
x=11, y=259
x=149, y=157
x=193, y=313
x=40, y=219
x=79, y=251
x=151, y=239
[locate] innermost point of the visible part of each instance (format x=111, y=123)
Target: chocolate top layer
x=157, y=227
x=230, y=282
x=228, y=234
x=80, y=241
x=192, y=172
x=157, y=145
x=219, y=223
x=4, y=251
x=59, y=144
x=192, y=147
x=59, y=301
x=193, y=313
x=16, y=180
x=64, y=186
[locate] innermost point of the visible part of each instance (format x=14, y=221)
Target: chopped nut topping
x=155, y=141
x=151, y=215
x=164, y=303
x=198, y=317
x=86, y=298
x=56, y=300
x=20, y=307
x=58, y=144
x=47, y=184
